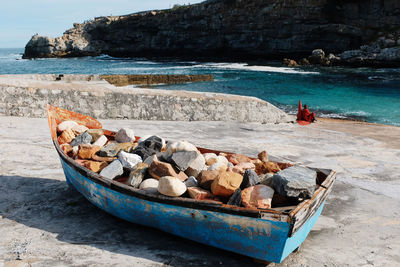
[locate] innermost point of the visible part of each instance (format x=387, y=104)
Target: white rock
x=223, y=160
x=101, y=141
x=125, y=135
x=217, y=166
x=149, y=185
x=179, y=146
x=75, y=150
x=210, y=158
x=129, y=160
x=171, y=186
x=66, y=125
x=113, y=170
x=79, y=129
x=196, y=166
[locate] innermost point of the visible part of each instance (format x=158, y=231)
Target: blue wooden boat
x=264, y=234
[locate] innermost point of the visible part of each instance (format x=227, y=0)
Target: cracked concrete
x=43, y=222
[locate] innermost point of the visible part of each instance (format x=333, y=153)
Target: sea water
x=367, y=94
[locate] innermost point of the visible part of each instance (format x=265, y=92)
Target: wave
x=219, y=66
x=246, y=67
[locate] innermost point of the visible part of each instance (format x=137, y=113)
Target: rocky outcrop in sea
x=223, y=29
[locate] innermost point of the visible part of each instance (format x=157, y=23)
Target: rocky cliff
x=258, y=29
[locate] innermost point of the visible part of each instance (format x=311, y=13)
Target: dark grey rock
x=113, y=170
x=191, y=182
x=250, y=178
x=153, y=142
x=267, y=179
x=183, y=159
x=84, y=138
x=296, y=181
x=144, y=152
x=236, y=198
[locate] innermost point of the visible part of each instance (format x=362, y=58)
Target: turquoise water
x=366, y=94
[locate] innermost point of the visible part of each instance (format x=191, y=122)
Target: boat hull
x=259, y=238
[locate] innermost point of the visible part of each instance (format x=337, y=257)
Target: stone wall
x=28, y=97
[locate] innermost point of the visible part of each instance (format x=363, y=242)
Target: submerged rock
x=296, y=181
x=171, y=186
x=258, y=196
x=137, y=175
x=113, y=170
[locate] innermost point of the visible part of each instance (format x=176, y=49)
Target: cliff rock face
x=241, y=28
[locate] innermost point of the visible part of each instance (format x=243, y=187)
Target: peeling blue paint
x=254, y=237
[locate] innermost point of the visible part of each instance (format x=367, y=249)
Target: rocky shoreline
x=236, y=29
x=384, y=52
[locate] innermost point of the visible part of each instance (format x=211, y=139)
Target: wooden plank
x=307, y=209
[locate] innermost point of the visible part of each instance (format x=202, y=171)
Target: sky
x=20, y=19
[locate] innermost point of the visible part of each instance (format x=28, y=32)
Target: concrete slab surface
x=43, y=222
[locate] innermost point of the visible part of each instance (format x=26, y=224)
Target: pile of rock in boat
x=179, y=169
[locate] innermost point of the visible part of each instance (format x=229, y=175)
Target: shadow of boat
x=52, y=206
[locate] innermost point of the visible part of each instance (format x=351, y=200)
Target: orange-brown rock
x=206, y=178
x=81, y=162
x=95, y=166
x=226, y=183
x=242, y=167
x=258, y=196
x=285, y=165
x=199, y=193
x=87, y=151
x=158, y=169
x=237, y=158
x=264, y=167
x=66, y=137
x=263, y=156
x=107, y=159
x=66, y=148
